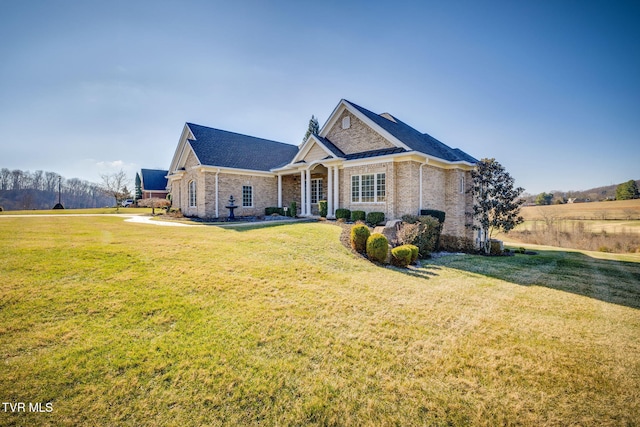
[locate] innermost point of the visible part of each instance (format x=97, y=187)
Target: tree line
x=39, y=190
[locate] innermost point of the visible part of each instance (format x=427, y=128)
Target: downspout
x=426, y=160
x=217, y=195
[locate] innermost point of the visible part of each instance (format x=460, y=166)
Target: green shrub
x=1, y=209
x=401, y=255
x=375, y=218
x=342, y=213
x=359, y=235
x=414, y=253
x=273, y=210
x=410, y=219
x=358, y=216
x=439, y=215
x=322, y=206
x=293, y=209
x=377, y=248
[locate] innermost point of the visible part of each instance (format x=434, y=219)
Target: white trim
x=347, y=105
x=308, y=196
x=234, y=171
x=302, y=194
x=375, y=188
x=279, y=191
x=250, y=187
x=217, y=195
x=329, y=191
x=307, y=146
x=421, y=190
x=192, y=194
x=179, y=153
x=336, y=189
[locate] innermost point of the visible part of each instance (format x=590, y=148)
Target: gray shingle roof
x=335, y=150
x=154, y=179
x=215, y=147
x=415, y=140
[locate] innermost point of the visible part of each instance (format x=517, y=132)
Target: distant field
x=615, y=210
x=115, y=323
x=614, y=218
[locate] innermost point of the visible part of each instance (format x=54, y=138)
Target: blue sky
x=551, y=89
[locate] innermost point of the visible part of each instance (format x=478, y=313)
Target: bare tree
x=5, y=178
x=115, y=185
x=153, y=203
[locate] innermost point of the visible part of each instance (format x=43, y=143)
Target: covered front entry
x=316, y=182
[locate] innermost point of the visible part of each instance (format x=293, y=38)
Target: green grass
x=93, y=211
x=132, y=324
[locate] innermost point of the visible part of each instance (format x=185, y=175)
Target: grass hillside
x=115, y=323
x=594, y=211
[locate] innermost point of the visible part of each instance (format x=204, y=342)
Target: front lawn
x=116, y=323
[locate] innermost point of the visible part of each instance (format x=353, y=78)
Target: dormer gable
x=353, y=132
x=316, y=148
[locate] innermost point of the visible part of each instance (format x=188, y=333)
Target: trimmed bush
x=375, y=218
x=322, y=206
x=439, y=215
x=359, y=235
x=358, y=216
x=273, y=210
x=377, y=248
x=401, y=255
x=410, y=219
x=342, y=213
x=414, y=253
x=293, y=209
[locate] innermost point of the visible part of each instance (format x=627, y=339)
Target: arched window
x=192, y=194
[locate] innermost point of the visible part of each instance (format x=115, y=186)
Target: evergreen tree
x=496, y=203
x=544, y=199
x=627, y=190
x=314, y=128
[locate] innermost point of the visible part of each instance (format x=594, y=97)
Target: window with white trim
x=462, y=185
x=316, y=190
x=369, y=188
x=247, y=196
x=192, y=194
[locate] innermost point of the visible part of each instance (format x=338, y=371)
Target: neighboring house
x=359, y=160
x=153, y=183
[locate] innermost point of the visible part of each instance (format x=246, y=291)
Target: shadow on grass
x=427, y=271
x=611, y=281
x=258, y=225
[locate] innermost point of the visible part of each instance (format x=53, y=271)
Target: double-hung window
x=247, y=196
x=369, y=188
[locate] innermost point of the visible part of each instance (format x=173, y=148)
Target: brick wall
x=357, y=138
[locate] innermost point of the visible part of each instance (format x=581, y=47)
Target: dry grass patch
x=130, y=324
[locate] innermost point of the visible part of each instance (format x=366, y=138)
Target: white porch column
x=330, y=192
x=308, y=198
x=336, y=189
x=302, y=194
x=279, y=191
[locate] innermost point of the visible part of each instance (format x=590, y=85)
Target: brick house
x=153, y=183
x=359, y=160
